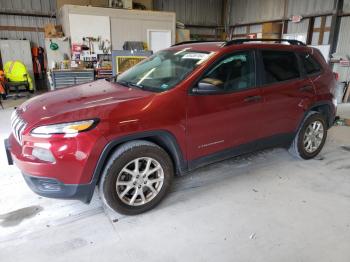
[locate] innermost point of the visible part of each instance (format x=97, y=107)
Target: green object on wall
x=53, y=46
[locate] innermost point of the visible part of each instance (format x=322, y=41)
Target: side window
x=233, y=73
x=310, y=64
x=279, y=66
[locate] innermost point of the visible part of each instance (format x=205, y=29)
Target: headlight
x=65, y=128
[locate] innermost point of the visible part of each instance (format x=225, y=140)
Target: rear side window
x=310, y=64
x=279, y=66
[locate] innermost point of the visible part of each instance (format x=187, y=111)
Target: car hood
x=77, y=102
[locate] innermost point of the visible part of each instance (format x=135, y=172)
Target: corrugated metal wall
x=194, y=12
x=300, y=27
x=190, y=12
x=346, y=6
x=36, y=38
x=309, y=7
x=204, y=31
x=249, y=11
x=246, y=11
x=240, y=30
x=343, y=48
x=344, y=36
x=28, y=6
x=46, y=7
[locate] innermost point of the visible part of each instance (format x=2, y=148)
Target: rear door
x=286, y=93
x=230, y=117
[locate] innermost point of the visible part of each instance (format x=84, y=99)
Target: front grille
x=18, y=125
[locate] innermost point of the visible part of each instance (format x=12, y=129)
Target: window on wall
x=279, y=66
x=249, y=31
x=321, y=27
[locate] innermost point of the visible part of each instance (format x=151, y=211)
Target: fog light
x=48, y=185
x=43, y=154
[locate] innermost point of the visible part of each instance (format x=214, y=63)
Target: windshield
x=162, y=70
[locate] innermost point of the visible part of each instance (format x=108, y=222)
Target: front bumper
x=70, y=176
x=52, y=188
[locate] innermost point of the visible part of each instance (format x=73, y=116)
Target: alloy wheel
x=313, y=136
x=140, y=181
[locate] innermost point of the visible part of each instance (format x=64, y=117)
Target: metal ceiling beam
x=27, y=14
x=21, y=28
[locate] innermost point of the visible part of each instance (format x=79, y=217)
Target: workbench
x=68, y=77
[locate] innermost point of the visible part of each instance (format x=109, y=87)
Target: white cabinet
x=122, y=24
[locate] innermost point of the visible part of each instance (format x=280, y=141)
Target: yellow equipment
x=2, y=83
x=16, y=72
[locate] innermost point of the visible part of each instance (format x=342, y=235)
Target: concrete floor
x=266, y=206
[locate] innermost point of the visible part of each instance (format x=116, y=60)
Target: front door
x=229, y=117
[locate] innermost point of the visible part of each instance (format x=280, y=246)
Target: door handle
x=306, y=89
x=249, y=99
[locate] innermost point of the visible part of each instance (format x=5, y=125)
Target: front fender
x=163, y=138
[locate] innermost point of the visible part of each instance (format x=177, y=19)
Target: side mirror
x=206, y=87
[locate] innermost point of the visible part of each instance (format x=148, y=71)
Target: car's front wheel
x=136, y=177
x=311, y=136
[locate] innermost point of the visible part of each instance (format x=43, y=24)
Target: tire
x=121, y=169
x=301, y=149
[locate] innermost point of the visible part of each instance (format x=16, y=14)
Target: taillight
x=336, y=76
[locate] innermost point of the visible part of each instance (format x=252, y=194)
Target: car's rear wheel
x=136, y=178
x=311, y=136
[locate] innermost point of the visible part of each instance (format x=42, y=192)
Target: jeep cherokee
x=184, y=107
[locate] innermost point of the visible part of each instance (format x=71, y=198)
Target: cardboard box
x=271, y=36
x=269, y=28
x=52, y=30
x=182, y=35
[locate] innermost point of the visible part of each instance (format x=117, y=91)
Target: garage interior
x=264, y=206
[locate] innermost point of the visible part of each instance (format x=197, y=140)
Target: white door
x=158, y=39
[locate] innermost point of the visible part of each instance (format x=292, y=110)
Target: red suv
x=192, y=104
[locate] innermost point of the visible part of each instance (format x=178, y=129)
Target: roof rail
x=197, y=41
x=280, y=40
x=244, y=40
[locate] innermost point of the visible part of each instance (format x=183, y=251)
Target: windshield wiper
x=129, y=84
x=112, y=78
